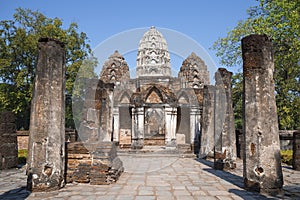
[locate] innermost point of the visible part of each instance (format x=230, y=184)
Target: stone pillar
x=46, y=156
x=116, y=124
x=8, y=141
x=207, y=121
x=296, y=150
x=262, y=162
x=194, y=127
x=138, y=128
x=107, y=117
x=227, y=138
x=89, y=127
x=171, y=121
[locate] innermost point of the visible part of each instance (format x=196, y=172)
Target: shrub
x=22, y=155
x=287, y=156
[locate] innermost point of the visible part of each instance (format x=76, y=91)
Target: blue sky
x=203, y=21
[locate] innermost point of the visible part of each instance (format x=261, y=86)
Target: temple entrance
x=154, y=127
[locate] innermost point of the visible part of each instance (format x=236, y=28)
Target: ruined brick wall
x=94, y=163
x=23, y=137
x=8, y=141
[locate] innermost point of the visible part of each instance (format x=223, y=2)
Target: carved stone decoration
x=262, y=162
x=153, y=58
x=115, y=69
x=46, y=156
x=193, y=72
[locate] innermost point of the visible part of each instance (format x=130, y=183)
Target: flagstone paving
x=155, y=176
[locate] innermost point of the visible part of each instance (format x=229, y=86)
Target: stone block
x=180, y=138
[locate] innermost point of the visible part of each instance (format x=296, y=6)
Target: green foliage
x=19, y=49
x=287, y=156
x=22, y=156
x=237, y=91
x=280, y=20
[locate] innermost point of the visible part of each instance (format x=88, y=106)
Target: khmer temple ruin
x=154, y=108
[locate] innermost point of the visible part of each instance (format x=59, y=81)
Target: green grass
x=22, y=155
x=287, y=156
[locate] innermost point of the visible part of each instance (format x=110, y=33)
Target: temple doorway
x=154, y=127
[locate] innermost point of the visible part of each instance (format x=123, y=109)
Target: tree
x=19, y=49
x=280, y=20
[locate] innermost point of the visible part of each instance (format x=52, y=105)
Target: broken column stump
x=296, y=150
x=262, y=162
x=225, y=142
x=8, y=141
x=94, y=163
x=46, y=155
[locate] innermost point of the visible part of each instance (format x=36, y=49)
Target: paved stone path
x=154, y=176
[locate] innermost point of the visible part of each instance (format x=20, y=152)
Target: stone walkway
x=154, y=176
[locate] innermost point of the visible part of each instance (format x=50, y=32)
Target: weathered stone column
x=8, y=141
x=207, y=125
x=227, y=138
x=46, y=156
x=262, y=162
x=195, y=127
x=171, y=121
x=116, y=125
x=138, y=127
x=296, y=150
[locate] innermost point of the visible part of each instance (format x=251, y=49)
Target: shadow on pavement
x=233, y=179
x=15, y=194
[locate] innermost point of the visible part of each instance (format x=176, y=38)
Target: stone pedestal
x=296, y=150
x=8, y=141
x=262, y=162
x=94, y=163
x=46, y=155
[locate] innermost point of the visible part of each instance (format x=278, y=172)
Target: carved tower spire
x=153, y=58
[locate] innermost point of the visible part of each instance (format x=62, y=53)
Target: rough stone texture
x=208, y=118
x=180, y=138
x=8, y=141
x=115, y=69
x=23, y=137
x=226, y=140
x=96, y=123
x=262, y=162
x=193, y=72
x=94, y=163
x=296, y=150
x=46, y=156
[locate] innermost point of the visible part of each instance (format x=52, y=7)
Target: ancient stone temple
x=155, y=108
